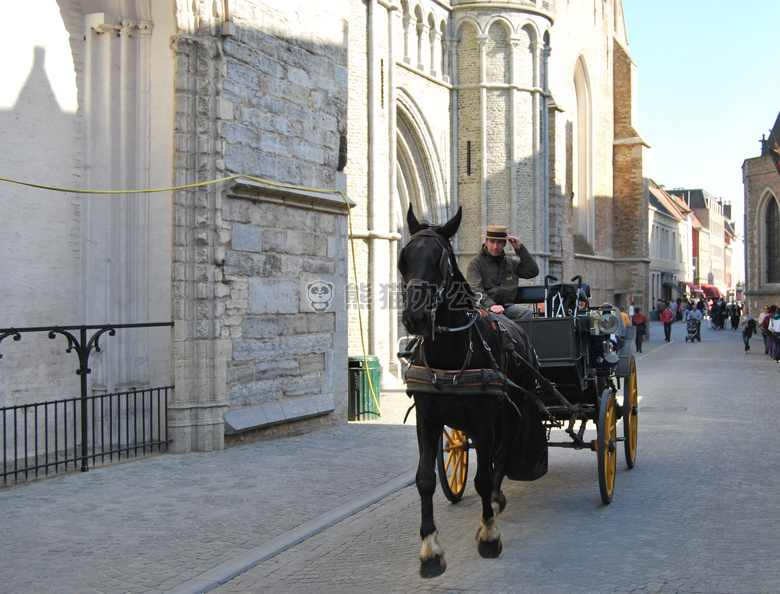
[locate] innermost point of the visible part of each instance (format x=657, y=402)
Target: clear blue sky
x=709, y=87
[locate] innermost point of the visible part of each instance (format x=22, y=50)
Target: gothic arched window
x=772, y=242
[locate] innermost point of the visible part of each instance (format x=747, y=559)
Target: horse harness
x=493, y=381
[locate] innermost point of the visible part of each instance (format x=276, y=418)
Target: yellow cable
x=223, y=179
x=357, y=296
x=147, y=191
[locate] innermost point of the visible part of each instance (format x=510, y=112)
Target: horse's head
x=426, y=264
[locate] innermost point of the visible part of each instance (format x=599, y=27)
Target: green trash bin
x=361, y=406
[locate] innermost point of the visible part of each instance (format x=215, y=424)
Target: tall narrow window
x=772, y=243
x=583, y=203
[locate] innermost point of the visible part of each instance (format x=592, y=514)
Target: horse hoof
x=430, y=568
x=501, y=502
x=489, y=550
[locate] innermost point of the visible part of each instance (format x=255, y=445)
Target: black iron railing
x=49, y=437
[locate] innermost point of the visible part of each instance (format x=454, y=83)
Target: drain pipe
x=373, y=193
x=392, y=313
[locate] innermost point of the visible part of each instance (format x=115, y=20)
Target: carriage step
x=569, y=444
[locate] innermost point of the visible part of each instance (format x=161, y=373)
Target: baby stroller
x=693, y=327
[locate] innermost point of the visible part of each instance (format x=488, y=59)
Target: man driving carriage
x=496, y=275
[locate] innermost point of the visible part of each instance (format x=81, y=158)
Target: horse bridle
x=447, y=271
x=446, y=267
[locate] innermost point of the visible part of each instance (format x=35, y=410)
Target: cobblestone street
x=337, y=511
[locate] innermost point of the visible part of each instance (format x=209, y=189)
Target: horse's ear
x=411, y=221
x=450, y=227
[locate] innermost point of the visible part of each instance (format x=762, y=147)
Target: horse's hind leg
x=501, y=457
x=431, y=554
x=488, y=536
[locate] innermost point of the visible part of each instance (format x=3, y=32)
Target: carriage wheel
x=452, y=463
x=631, y=415
x=606, y=446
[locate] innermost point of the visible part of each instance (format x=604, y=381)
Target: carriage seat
x=536, y=293
x=559, y=299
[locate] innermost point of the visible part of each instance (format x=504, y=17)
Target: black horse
x=470, y=371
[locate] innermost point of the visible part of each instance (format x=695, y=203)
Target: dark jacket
x=497, y=277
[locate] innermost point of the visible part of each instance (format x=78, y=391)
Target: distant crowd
x=720, y=313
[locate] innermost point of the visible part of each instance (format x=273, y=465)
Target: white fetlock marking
x=488, y=531
x=431, y=547
x=496, y=508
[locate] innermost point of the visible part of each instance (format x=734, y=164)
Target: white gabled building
x=670, y=238
x=712, y=247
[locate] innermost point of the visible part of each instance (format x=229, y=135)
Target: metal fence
x=75, y=433
x=60, y=435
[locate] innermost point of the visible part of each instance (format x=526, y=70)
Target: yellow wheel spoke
x=454, y=463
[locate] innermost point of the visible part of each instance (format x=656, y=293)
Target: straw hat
x=495, y=232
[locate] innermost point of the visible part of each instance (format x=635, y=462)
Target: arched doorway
x=421, y=171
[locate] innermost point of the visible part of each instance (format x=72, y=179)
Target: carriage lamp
x=604, y=322
x=608, y=323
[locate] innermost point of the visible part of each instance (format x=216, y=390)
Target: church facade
x=523, y=115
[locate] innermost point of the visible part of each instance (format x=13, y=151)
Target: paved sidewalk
x=183, y=523
x=187, y=523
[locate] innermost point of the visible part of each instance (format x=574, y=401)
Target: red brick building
x=761, y=177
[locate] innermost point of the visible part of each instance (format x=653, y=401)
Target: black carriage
x=586, y=373
x=481, y=382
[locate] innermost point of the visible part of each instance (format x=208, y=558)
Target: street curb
x=227, y=571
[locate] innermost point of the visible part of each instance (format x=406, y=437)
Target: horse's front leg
x=431, y=554
x=488, y=536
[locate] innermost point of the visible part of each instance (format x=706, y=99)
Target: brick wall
x=631, y=202
x=762, y=183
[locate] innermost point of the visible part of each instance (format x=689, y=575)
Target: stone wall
x=92, y=110
x=283, y=275
x=264, y=97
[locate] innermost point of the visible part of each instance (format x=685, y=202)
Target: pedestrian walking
x=774, y=332
x=660, y=306
x=748, y=324
x=624, y=316
x=640, y=322
x=766, y=318
x=714, y=315
x=736, y=315
x=695, y=315
x=724, y=314
x=668, y=318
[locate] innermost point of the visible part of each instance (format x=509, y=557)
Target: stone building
x=522, y=112
x=174, y=94
x=761, y=177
